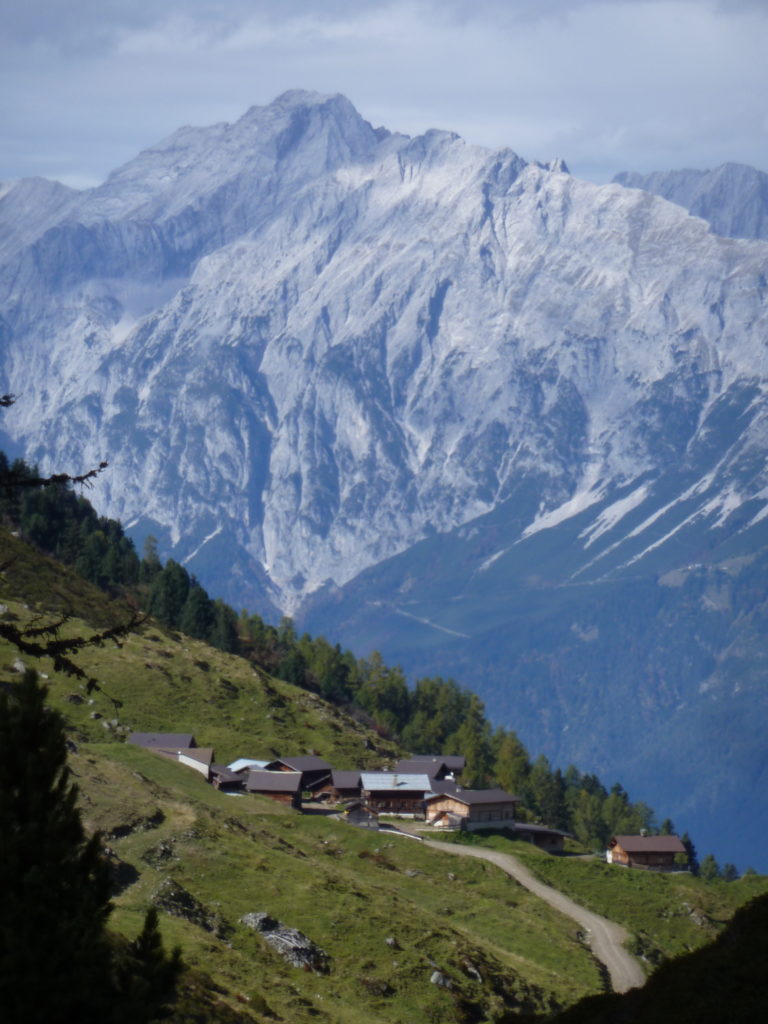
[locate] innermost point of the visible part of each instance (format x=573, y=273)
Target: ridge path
x=606, y=938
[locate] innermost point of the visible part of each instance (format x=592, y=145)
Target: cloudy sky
x=609, y=85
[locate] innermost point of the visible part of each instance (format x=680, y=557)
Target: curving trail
x=606, y=938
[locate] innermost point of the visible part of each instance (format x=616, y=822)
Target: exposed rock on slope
x=305, y=344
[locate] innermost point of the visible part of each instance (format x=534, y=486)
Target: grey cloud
x=635, y=84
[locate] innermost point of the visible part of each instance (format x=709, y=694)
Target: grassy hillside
x=390, y=914
x=666, y=914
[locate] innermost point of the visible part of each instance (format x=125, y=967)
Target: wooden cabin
x=337, y=787
x=282, y=786
x=652, y=853
x=474, y=809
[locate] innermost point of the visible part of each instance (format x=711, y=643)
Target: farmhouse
x=472, y=809
x=392, y=793
x=654, y=853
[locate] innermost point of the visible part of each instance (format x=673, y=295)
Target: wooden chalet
x=282, y=786
x=472, y=809
x=393, y=793
x=337, y=787
x=653, y=853
x=312, y=769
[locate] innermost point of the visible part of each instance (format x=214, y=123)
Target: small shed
x=475, y=808
x=282, y=786
x=357, y=812
x=228, y=781
x=550, y=839
x=652, y=853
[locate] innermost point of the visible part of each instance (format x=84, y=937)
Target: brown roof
x=345, y=779
x=431, y=764
x=176, y=740
x=272, y=782
x=471, y=797
x=304, y=763
x=225, y=774
x=202, y=754
x=649, y=844
x=444, y=785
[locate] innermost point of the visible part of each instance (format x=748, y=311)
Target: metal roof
x=245, y=762
x=389, y=781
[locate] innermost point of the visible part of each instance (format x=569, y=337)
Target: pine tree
x=709, y=869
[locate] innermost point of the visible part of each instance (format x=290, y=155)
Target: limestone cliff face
x=303, y=344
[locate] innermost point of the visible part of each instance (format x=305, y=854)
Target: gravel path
x=606, y=938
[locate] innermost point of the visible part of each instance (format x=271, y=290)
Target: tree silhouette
x=57, y=884
x=56, y=881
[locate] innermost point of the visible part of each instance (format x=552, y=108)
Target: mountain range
x=499, y=422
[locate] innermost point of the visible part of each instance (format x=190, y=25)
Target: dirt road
x=605, y=937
